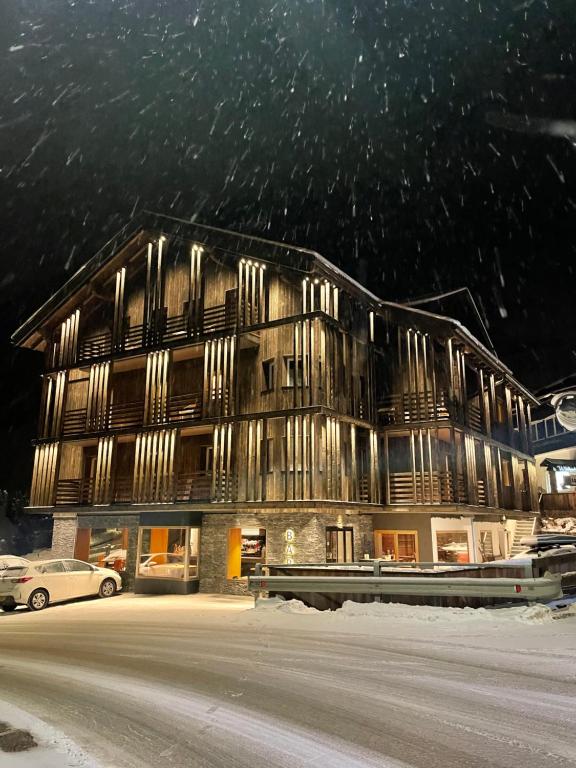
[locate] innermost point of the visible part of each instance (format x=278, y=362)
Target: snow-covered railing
x=541, y=589
x=376, y=567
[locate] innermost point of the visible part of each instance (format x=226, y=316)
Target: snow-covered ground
x=209, y=681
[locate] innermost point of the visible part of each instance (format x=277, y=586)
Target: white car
x=36, y=584
x=7, y=561
x=162, y=564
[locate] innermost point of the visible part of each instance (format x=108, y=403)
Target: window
x=268, y=375
x=400, y=546
x=246, y=548
x=206, y=458
x=339, y=545
x=295, y=374
x=77, y=565
x=57, y=567
x=104, y=547
x=453, y=547
x=168, y=553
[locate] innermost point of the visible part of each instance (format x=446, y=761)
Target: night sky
x=419, y=145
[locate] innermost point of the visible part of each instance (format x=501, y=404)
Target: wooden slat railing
x=559, y=502
x=426, y=488
x=187, y=407
x=122, y=489
x=74, y=491
x=216, y=319
x=96, y=345
x=194, y=486
x=124, y=415
x=74, y=422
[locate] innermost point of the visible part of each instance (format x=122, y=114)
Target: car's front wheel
x=38, y=600
x=107, y=588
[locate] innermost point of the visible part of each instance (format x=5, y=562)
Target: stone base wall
x=309, y=544
x=64, y=534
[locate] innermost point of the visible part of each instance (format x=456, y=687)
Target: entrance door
x=339, y=545
x=401, y=546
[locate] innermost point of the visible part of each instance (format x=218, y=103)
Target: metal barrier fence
x=368, y=582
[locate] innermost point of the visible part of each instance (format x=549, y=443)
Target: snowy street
x=207, y=681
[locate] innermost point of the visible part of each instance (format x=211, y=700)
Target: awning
x=559, y=465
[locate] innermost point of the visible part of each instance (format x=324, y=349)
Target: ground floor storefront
x=180, y=552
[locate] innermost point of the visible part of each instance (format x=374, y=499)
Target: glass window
x=400, y=546
x=339, y=545
x=77, y=565
x=168, y=553
x=452, y=547
x=104, y=547
x=194, y=553
x=295, y=373
x=246, y=548
x=57, y=567
x=268, y=373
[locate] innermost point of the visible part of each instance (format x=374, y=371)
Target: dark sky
x=419, y=145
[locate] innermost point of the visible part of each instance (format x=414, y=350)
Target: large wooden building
x=213, y=400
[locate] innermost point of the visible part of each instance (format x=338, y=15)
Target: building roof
x=237, y=244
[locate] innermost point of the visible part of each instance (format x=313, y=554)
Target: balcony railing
x=405, y=409
x=559, y=502
x=427, y=488
x=186, y=407
x=194, y=486
x=96, y=345
x=74, y=491
x=213, y=320
x=74, y=422
x=125, y=415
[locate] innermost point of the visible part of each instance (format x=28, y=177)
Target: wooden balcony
x=406, y=409
x=194, y=486
x=74, y=491
x=74, y=422
x=126, y=415
x=427, y=488
x=97, y=345
x=559, y=502
x=187, y=407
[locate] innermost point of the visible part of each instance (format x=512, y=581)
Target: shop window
x=486, y=545
x=104, y=547
x=268, y=375
x=453, y=547
x=399, y=546
x=246, y=548
x=168, y=553
x=339, y=545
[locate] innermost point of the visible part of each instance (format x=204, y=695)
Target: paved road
x=194, y=681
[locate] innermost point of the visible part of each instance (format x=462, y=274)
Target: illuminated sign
x=289, y=549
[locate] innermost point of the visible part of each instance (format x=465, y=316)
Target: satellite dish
x=565, y=406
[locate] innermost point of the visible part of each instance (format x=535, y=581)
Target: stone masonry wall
x=64, y=534
x=309, y=541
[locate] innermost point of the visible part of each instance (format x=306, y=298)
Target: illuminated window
x=246, y=548
x=168, y=553
x=453, y=547
x=104, y=547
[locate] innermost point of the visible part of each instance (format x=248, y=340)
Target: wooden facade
x=189, y=366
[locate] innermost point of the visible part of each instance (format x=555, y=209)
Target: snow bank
x=387, y=612
x=279, y=605
x=54, y=749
